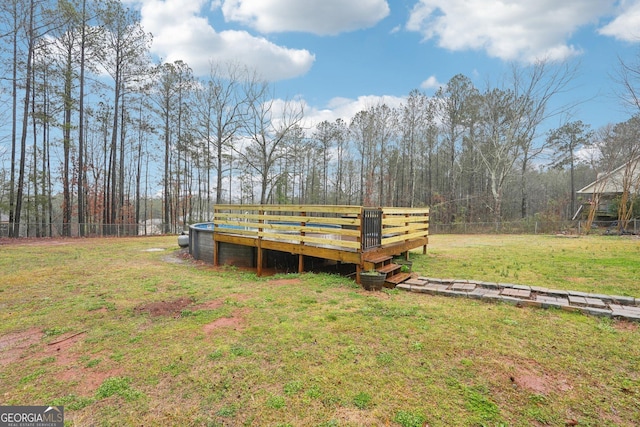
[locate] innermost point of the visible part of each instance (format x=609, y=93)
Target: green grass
x=596, y=264
x=317, y=350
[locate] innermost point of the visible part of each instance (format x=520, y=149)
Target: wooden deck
x=365, y=237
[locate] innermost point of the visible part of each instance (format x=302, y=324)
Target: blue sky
x=339, y=56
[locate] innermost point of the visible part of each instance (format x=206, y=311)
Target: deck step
x=389, y=268
x=377, y=259
x=396, y=279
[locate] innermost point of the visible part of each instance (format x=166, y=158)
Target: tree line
x=96, y=134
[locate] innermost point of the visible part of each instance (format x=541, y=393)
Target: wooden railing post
x=361, y=243
x=406, y=224
x=300, y=256
x=260, y=253
x=216, y=244
x=360, y=228
x=426, y=221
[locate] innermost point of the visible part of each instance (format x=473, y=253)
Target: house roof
x=612, y=182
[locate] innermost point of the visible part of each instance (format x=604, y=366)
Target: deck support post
x=216, y=251
x=358, y=271
x=259, y=260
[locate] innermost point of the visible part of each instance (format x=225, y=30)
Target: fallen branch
x=67, y=338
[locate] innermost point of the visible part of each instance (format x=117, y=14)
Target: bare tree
x=123, y=50
x=361, y=131
x=327, y=135
x=536, y=86
x=267, y=128
x=452, y=109
x=32, y=30
x=165, y=94
x=413, y=126
x=499, y=141
x=220, y=109
x=566, y=140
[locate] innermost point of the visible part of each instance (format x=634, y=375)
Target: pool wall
x=201, y=248
x=201, y=241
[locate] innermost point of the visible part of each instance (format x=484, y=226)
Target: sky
x=341, y=56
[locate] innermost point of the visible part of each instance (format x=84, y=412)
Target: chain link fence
x=32, y=230
x=505, y=227
x=534, y=227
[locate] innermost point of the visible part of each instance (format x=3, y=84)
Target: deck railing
x=351, y=228
x=402, y=224
x=335, y=226
x=371, y=228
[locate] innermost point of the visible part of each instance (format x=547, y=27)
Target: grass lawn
x=121, y=332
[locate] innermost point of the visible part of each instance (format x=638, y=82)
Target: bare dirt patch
x=14, y=344
x=241, y=297
x=284, y=282
x=14, y=347
x=164, y=308
x=87, y=381
x=528, y=375
x=174, y=308
x=236, y=322
x=60, y=348
x=625, y=326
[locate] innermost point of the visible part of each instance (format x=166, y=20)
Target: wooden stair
x=377, y=259
x=382, y=264
x=389, y=269
x=396, y=279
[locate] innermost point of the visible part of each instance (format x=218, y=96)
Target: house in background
x=608, y=187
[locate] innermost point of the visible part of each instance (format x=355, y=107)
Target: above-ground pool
x=201, y=244
x=201, y=241
x=201, y=247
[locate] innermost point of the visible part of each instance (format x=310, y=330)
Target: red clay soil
x=174, y=309
x=14, y=345
x=235, y=322
x=30, y=343
x=283, y=282
x=17, y=346
x=529, y=376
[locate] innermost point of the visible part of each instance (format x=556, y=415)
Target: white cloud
x=509, y=30
x=326, y=17
x=181, y=32
x=431, y=83
x=347, y=108
x=626, y=26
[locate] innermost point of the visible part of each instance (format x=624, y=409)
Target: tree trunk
x=81, y=171
x=25, y=121
x=66, y=142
